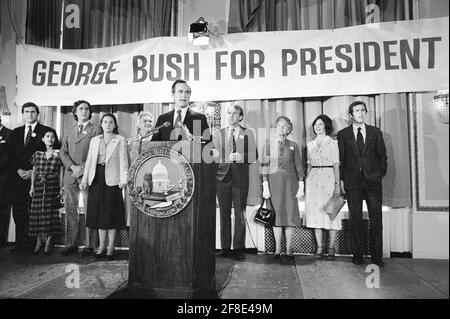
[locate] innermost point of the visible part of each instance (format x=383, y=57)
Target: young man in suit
x=24, y=142
x=182, y=121
x=234, y=150
x=363, y=162
x=4, y=185
x=74, y=150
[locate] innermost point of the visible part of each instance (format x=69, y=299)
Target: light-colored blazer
x=75, y=148
x=116, y=166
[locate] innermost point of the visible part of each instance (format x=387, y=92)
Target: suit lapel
x=368, y=137
x=88, y=130
x=352, y=137
x=111, y=147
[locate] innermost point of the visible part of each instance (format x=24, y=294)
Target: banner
x=403, y=56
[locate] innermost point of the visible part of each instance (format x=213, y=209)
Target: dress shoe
x=87, y=252
x=357, y=261
x=225, y=253
x=331, y=254
x=287, y=259
x=69, y=251
x=110, y=257
x=379, y=263
x=100, y=256
x=238, y=255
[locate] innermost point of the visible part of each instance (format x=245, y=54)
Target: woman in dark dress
x=106, y=172
x=46, y=182
x=283, y=182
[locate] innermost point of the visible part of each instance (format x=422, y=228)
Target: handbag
x=61, y=199
x=265, y=214
x=333, y=206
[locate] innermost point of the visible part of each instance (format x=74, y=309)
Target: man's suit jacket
x=245, y=146
x=372, y=163
x=20, y=154
x=4, y=169
x=116, y=167
x=75, y=149
x=194, y=121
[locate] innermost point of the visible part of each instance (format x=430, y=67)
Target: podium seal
x=161, y=182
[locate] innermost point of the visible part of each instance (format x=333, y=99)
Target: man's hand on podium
x=235, y=157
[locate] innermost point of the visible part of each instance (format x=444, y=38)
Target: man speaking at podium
x=182, y=123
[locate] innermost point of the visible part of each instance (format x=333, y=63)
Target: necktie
x=178, y=130
x=28, y=137
x=80, y=128
x=360, y=141
x=178, y=119
x=232, y=141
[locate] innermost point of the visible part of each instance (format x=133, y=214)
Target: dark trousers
x=21, y=205
x=227, y=194
x=373, y=198
x=5, y=212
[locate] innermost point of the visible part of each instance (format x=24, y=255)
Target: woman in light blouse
x=106, y=172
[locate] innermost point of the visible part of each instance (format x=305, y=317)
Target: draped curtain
x=43, y=28
x=389, y=112
x=106, y=23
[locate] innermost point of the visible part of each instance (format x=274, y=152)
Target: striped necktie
x=28, y=137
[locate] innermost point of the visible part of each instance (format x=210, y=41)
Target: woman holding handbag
x=322, y=182
x=282, y=175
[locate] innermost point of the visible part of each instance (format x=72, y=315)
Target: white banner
x=404, y=56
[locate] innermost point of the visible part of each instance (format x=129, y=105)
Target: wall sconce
x=4, y=109
x=199, y=33
x=441, y=106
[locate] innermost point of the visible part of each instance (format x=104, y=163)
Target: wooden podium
x=174, y=257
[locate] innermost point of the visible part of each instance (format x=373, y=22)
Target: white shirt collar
x=183, y=114
x=33, y=126
x=84, y=125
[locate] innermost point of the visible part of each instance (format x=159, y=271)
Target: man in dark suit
x=183, y=123
x=4, y=185
x=234, y=150
x=363, y=162
x=24, y=142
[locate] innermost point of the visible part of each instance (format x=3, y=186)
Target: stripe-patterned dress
x=44, y=213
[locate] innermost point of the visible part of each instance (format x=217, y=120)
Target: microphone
x=186, y=131
x=156, y=129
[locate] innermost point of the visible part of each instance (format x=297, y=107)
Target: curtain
x=43, y=28
x=389, y=112
x=106, y=23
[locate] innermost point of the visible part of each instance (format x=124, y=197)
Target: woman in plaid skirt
x=46, y=181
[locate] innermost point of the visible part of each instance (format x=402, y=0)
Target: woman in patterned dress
x=283, y=182
x=322, y=182
x=46, y=182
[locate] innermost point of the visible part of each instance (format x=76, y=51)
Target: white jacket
x=116, y=166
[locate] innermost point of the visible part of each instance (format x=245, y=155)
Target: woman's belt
x=331, y=166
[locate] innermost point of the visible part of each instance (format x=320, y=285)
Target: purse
x=333, y=206
x=61, y=199
x=265, y=214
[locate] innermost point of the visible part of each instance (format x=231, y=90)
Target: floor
x=256, y=277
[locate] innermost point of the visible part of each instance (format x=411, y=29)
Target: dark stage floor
x=23, y=275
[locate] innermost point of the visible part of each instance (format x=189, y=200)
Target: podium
x=174, y=256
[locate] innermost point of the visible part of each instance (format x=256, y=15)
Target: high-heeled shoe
x=110, y=255
x=319, y=251
x=47, y=250
x=37, y=250
x=100, y=255
x=331, y=253
x=38, y=247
